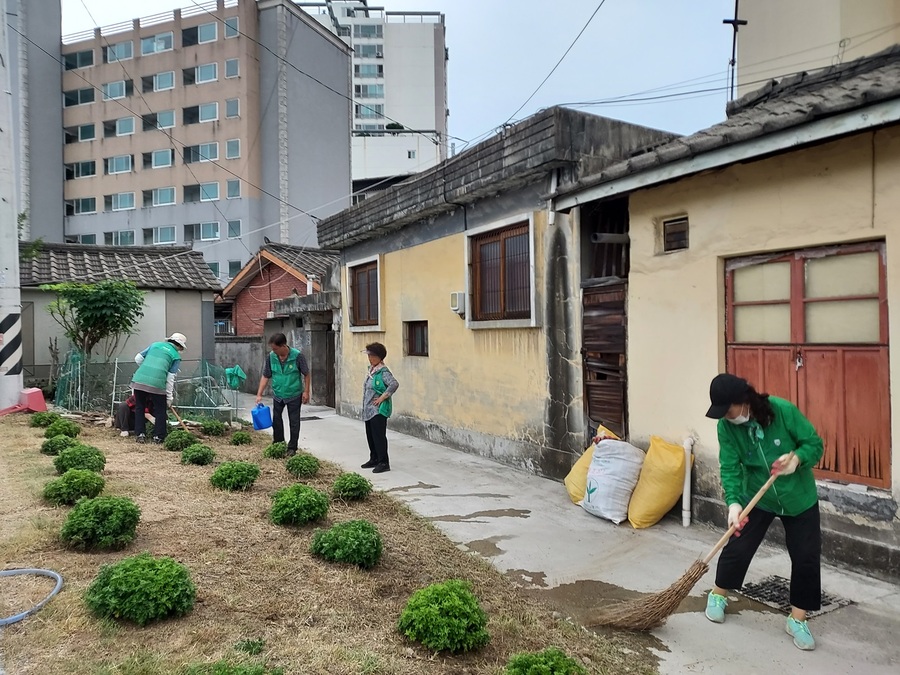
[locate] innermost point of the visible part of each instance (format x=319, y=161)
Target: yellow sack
x=576, y=481
x=660, y=484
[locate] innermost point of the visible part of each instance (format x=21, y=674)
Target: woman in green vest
x=287, y=370
x=155, y=380
x=378, y=389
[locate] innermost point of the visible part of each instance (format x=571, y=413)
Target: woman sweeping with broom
x=762, y=436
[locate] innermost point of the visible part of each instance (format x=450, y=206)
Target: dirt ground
x=255, y=581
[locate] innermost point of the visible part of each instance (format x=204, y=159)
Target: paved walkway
x=527, y=527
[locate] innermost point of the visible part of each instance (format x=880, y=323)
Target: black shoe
x=290, y=452
x=157, y=440
x=140, y=438
x=381, y=468
x=369, y=464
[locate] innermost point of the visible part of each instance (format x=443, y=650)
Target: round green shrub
x=62, y=427
x=241, y=438
x=356, y=542
x=275, y=450
x=351, y=486
x=54, y=446
x=198, y=454
x=445, y=617
x=212, y=427
x=178, y=440
x=225, y=667
x=550, y=661
x=141, y=589
x=72, y=486
x=43, y=419
x=297, y=505
x=101, y=523
x=233, y=476
x=303, y=465
x=79, y=457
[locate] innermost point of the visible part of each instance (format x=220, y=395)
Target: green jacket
x=747, y=451
x=287, y=380
x=379, y=387
x=157, y=364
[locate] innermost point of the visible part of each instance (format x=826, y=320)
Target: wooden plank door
x=603, y=354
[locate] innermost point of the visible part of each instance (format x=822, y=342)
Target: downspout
x=551, y=210
x=688, y=446
x=24, y=129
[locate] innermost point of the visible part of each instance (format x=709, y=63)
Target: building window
x=234, y=268
x=159, y=235
x=501, y=277
x=675, y=234
x=410, y=154
x=205, y=152
x=368, y=111
x=199, y=34
x=234, y=229
x=124, y=126
x=232, y=108
x=368, y=70
x=118, y=164
x=81, y=59
x=364, y=294
x=232, y=67
x=164, y=196
x=231, y=27
x=416, y=338
x=121, y=51
x=369, y=90
x=214, y=268
x=154, y=44
x=164, y=119
x=232, y=148
x=81, y=169
x=122, y=201
x=209, y=231
x=205, y=112
x=81, y=239
x=83, y=132
x=159, y=159
x=75, y=97
x=116, y=90
x=232, y=188
x=368, y=30
x=163, y=81
x=120, y=238
x=76, y=207
x=204, y=192
x=369, y=51
x=208, y=72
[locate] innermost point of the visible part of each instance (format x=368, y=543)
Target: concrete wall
x=247, y=352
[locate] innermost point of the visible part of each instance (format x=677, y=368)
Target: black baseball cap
x=724, y=391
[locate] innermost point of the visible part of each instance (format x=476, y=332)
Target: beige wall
x=839, y=192
x=786, y=36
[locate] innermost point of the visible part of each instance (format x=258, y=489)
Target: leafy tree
x=91, y=314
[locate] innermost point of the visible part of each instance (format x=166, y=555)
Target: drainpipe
x=688, y=446
x=551, y=210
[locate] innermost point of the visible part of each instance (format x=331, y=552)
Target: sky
x=501, y=50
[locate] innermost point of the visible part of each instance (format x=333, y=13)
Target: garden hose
x=44, y=573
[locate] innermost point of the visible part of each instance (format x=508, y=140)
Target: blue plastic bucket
x=262, y=416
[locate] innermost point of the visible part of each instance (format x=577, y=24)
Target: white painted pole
x=10, y=297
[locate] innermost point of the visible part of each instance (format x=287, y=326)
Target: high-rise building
x=400, y=110
x=220, y=125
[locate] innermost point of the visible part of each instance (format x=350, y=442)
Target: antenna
x=735, y=23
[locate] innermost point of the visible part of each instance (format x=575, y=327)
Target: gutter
x=861, y=119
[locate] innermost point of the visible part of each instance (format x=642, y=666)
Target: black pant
x=376, y=435
x=160, y=427
x=293, y=408
x=803, y=537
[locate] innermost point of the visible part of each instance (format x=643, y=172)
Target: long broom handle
x=178, y=417
x=747, y=509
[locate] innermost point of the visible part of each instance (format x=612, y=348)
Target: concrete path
x=527, y=527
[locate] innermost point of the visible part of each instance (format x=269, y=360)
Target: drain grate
x=774, y=591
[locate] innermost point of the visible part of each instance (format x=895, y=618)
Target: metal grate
x=675, y=234
x=774, y=591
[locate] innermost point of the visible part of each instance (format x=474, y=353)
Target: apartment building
x=219, y=126
x=399, y=79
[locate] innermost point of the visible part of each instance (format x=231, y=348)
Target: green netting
x=204, y=393
x=84, y=385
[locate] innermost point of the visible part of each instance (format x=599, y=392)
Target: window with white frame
x=363, y=278
x=164, y=196
x=232, y=108
x=207, y=72
x=369, y=90
x=163, y=42
x=161, y=235
x=234, y=268
x=163, y=81
x=121, y=51
x=82, y=59
x=160, y=159
x=119, y=238
x=81, y=239
x=232, y=67
x=209, y=112
x=121, y=201
x=369, y=111
x=231, y=27
x=214, y=268
x=124, y=126
x=368, y=30
x=204, y=152
x=234, y=229
x=233, y=188
x=75, y=97
x=209, y=192
x=164, y=119
x=81, y=205
x=117, y=164
x=86, y=132
x=83, y=169
x=500, y=272
x=115, y=90
x=232, y=148
x=209, y=231
x=199, y=34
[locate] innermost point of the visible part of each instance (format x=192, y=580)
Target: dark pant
x=160, y=428
x=376, y=435
x=293, y=408
x=803, y=537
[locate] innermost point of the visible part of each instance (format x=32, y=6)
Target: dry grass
x=254, y=580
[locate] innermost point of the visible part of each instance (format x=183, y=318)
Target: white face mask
x=740, y=419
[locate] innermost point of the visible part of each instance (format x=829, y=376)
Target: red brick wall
x=259, y=296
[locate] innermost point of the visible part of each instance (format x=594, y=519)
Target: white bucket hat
x=179, y=339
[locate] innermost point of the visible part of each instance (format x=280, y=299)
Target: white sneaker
x=123, y=434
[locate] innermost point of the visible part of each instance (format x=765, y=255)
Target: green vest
x=155, y=368
x=379, y=387
x=287, y=380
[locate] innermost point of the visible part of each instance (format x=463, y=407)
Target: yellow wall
x=839, y=192
x=491, y=381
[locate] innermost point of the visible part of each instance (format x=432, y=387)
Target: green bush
x=356, y=542
x=72, y=486
x=54, y=446
x=445, y=617
x=197, y=454
x=275, y=450
x=303, y=465
x=101, y=523
x=351, y=486
x=551, y=661
x=251, y=647
x=178, y=440
x=79, y=457
x=141, y=589
x=223, y=667
x=212, y=427
x=43, y=419
x=62, y=428
x=233, y=476
x=241, y=438
x=298, y=505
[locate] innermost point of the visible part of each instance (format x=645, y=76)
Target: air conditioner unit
x=270, y=315
x=458, y=303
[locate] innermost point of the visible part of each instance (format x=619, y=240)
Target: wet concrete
x=486, y=547
x=476, y=515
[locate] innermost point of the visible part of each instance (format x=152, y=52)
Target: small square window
x=86, y=132
x=233, y=188
x=207, y=32
x=416, y=338
x=233, y=148
x=231, y=27
x=208, y=72
x=234, y=229
x=164, y=81
x=162, y=158
x=114, y=90
x=164, y=235
x=163, y=196
x=165, y=119
x=209, y=192
x=209, y=231
x=214, y=268
x=410, y=154
x=233, y=108
x=209, y=112
x=234, y=268
x=125, y=126
x=675, y=234
x=232, y=67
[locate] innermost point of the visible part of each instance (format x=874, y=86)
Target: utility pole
x=736, y=24
x=10, y=297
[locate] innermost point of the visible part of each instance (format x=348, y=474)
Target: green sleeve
x=730, y=468
x=809, y=444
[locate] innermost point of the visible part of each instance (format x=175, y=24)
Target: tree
x=91, y=314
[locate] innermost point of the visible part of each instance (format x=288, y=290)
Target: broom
x=645, y=614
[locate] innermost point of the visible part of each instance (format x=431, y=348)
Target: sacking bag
x=576, y=480
x=660, y=484
x=611, y=477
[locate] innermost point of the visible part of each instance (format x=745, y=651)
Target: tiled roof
x=147, y=266
x=779, y=105
x=305, y=260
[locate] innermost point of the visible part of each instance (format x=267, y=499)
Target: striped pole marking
x=11, y=345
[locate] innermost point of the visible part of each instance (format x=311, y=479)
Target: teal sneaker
x=799, y=630
x=715, y=607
